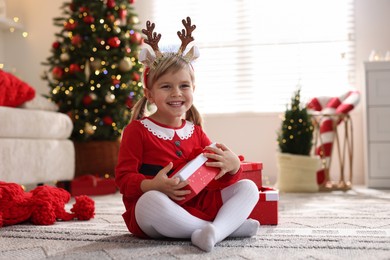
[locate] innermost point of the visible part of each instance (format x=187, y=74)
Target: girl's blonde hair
x=171, y=63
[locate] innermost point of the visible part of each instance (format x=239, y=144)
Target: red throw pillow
x=13, y=91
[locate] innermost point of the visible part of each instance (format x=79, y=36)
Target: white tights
x=158, y=216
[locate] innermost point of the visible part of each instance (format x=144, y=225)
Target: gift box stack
x=266, y=209
x=198, y=175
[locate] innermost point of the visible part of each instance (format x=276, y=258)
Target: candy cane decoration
x=328, y=107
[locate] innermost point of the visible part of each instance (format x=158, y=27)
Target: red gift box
x=266, y=209
x=252, y=171
x=197, y=174
x=89, y=185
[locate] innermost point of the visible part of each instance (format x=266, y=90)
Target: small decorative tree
x=296, y=133
x=296, y=168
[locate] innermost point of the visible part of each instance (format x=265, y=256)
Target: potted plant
x=296, y=167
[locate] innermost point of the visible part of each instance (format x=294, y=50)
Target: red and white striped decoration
x=328, y=106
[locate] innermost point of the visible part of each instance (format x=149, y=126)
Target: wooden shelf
x=6, y=24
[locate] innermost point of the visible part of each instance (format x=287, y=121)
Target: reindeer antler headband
x=151, y=59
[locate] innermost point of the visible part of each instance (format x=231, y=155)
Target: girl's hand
x=224, y=159
x=169, y=186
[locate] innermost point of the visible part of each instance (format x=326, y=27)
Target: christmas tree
x=296, y=133
x=94, y=74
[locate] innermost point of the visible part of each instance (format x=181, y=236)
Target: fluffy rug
x=337, y=225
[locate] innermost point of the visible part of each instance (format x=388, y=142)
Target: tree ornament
x=77, y=39
x=107, y=120
x=57, y=72
x=83, y=9
x=111, y=4
x=89, y=19
x=122, y=13
x=110, y=98
x=134, y=20
x=117, y=29
x=64, y=57
x=110, y=18
x=131, y=1
x=70, y=26
x=135, y=76
x=56, y=45
x=114, y=42
x=87, y=70
x=115, y=81
x=129, y=102
x=135, y=37
x=89, y=129
x=87, y=100
x=125, y=64
x=128, y=50
x=74, y=68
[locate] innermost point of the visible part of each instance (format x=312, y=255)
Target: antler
x=185, y=35
x=153, y=37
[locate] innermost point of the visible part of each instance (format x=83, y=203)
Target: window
x=255, y=53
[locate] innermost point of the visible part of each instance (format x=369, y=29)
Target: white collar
x=168, y=133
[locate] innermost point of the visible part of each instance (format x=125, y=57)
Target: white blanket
x=32, y=161
x=31, y=124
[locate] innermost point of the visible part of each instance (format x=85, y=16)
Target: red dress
x=146, y=148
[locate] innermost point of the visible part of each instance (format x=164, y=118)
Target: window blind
x=255, y=53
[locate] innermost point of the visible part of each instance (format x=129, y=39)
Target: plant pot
x=297, y=173
x=96, y=157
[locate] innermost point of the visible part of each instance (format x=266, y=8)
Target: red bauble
x=131, y=1
x=83, y=9
x=89, y=19
x=107, y=120
x=71, y=7
x=122, y=13
x=76, y=40
x=56, y=45
x=70, y=26
x=87, y=100
x=114, y=42
x=129, y=102
x=57, y=72
x=111, y=3
x=115, y=81
x=136, y=38
x=73, y=68
x=135, y=76
x=111, y=18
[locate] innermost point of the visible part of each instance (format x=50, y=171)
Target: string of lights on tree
x=94, y=74
x=296, y=133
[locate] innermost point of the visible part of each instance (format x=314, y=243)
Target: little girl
x=152, y=146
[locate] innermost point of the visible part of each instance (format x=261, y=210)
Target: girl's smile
x=172, y=94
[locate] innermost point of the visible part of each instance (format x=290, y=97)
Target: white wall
x=252, y=135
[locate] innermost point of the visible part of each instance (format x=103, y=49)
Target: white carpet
x=351, y=225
